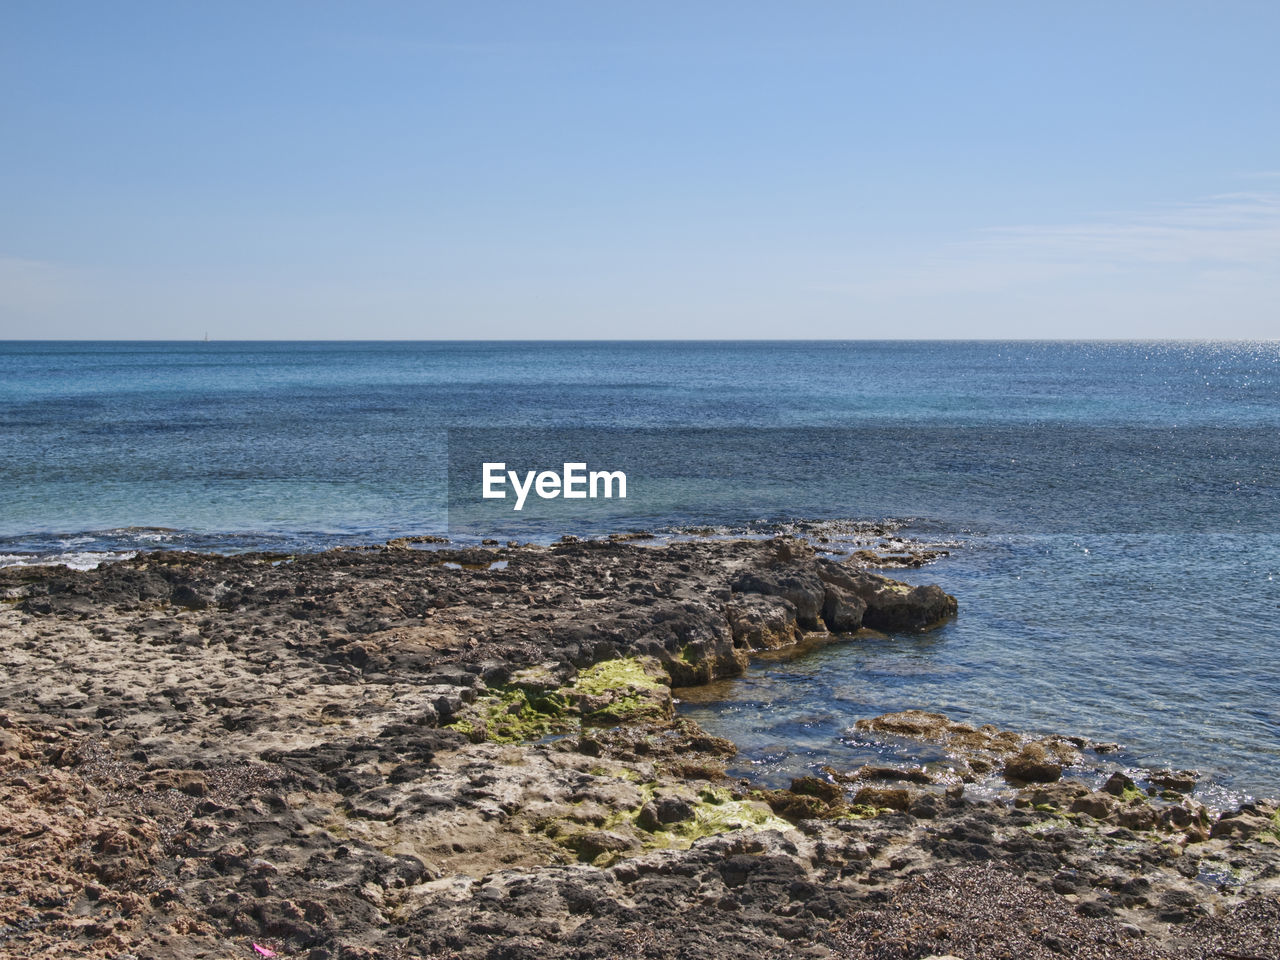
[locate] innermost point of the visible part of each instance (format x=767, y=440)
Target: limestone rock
x=1032, y=764
x=797, y=585
x=760, y=622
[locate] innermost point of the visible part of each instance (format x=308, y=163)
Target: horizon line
x=200, y=340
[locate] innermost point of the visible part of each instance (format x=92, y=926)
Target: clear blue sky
x=606, y=169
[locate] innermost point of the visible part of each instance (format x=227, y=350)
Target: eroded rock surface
x=472, y=753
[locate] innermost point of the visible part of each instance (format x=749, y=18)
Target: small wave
x=75, y=560
x=837, y=536
x=134, y=531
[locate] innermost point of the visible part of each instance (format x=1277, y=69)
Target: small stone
x=893, y=799
x=1176, y=781
x=674, y=810
x=1032, y=764
x=648, y=819
x=1118, y=784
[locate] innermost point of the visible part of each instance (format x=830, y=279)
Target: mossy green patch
x=715, y=812
x=863, y=811
x=610, y=692
x=1056, y=821
x=610, y=676
x=509, y=716
x=619, y=691
x=713, y=818
x=1131, y=794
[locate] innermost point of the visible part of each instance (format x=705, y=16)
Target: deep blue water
x=1115, y=506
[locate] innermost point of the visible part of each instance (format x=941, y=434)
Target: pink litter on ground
x=263, y=951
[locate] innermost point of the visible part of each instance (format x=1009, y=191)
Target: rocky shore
x=405, y=752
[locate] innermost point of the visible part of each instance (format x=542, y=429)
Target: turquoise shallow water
x=1133, y=638
x=1116, y=506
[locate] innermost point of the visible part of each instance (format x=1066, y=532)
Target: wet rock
x=824, y=790
x=890, y=605
x=1177, y=781
x=1119, y=785
x=980, y=749
x=890, y=798
x=879, y=772
x=888, y=560
x=913, y=723
x=1032, y=764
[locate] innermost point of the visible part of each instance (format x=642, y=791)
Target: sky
x=424, y=170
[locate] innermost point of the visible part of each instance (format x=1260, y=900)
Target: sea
x=1109, y=512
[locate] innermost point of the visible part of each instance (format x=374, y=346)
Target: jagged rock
x=1032, y=764
x=795, y=806
x=761, y=622
x=890, y=605
x=1177, y=781
x=1100, y=806
x=674, y=810
x=648, y=819
x=824, y=790
x=1241, y=825
x=887, y=797
x=842, y=611
x=591, y=845
x=912, y=723
x=1119, y=784
x=907, y=774
x=280, y=765
x=801, y=588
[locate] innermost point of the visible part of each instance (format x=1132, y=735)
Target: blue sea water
x=1112, y=510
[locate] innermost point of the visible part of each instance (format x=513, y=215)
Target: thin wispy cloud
x=1145, y=273
x=1242, y=229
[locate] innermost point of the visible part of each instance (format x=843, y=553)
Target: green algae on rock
x=508, y=716
x=632, y=689
x=528, y=707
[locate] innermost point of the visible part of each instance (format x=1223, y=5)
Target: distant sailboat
x=206, y=336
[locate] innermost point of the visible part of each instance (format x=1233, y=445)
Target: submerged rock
x=980, y=750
